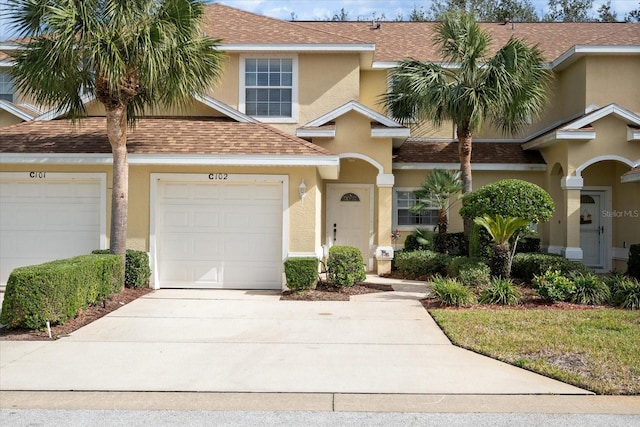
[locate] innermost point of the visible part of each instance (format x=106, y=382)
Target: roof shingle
x=167, y=135
x=447, y=152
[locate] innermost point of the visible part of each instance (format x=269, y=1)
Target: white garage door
x=47, y=216
x=220, y=234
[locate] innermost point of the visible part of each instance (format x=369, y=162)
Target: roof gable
x=22, y=111
x=582, y=129
x=381, y=127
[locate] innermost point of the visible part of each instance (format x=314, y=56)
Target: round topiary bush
x=509, y=197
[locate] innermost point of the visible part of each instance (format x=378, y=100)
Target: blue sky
x=363, y=9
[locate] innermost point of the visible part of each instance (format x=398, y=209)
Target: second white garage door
x=219, y=233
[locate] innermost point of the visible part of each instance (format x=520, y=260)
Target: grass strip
x=595, y=349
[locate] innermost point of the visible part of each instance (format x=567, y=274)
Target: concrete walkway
x=250, y=341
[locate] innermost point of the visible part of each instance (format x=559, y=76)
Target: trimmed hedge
x=301, y=273
x=345, y=266
x=137, y=271
x=528, y=245
x=456, y=243
x=418, y=264
x=470, y=271
x=527, y=265
x=56, y=290
x=633, y=263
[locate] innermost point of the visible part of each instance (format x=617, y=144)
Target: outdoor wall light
x=302, y=189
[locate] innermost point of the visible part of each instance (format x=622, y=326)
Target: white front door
x=349, y=218
x=592, y=229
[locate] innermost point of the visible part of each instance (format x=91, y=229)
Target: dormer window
x=7, y=89
x=268, y=88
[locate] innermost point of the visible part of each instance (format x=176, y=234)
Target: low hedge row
x=422, y=263
x=527, y=265
x=56, y=290
x=137, y=271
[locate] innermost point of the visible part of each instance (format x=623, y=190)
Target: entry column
x=572, y=186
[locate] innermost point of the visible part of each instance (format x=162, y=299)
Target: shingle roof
x=168, y=135
x=238, y=26
x=447, y=152
x=398, y=40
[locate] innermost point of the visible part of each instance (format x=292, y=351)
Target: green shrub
x=451, y=292
x=301, y=273
x=419, y=240
x=553, y=286
x=137, y=271
x=480, y=243
x=470, y=271
x=589, y=289
x=528, y=245
x=456, y=243
x=501, y=291
x=345, y=266
x=509, y=197
x=628, y=294
x=613, y=282
x=527, y=265
x=418, y=264
x=56, y=290
x=633, y=263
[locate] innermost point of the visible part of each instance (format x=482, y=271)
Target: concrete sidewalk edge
x=324, y=402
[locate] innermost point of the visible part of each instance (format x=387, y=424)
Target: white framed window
x=269, y=88
x=7, y=89
x=404, y=219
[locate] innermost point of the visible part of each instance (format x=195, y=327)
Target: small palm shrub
x=501, y=291
x=419, y=240
x=470, y=271
x=628, y=294
x=553, y=286
x=589, y=289
x=451, y=292
x=345, y=266
x=613, y=281
x=418, y=264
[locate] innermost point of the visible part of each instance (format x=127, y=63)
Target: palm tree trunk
x=500, y=261
x=117, y=133
x=442, y=230
x=464, y=152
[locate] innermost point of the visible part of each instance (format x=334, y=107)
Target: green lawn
x=595, y=349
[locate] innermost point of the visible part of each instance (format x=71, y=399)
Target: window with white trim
x=7, y=89
x=404, y=219
x=268, y=89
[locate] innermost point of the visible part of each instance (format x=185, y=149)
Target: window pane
x=285, y=109
x=274, y=66
x=263, y=65
x=274, y=109
x=285, y=95
x=263, y=95
x=287, y=79
x=274, y=79
x=287, y=65
x=250, y=109
x=250, y=79
x=251, y=95
x=250, y=65
x=263, y=79
x=262, y=109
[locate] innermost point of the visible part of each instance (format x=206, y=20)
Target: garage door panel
x=45, y=220
x=221, y=234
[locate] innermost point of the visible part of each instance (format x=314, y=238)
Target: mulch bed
x=84, y=318
x=326, y=292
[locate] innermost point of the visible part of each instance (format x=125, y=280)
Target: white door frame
x=605, y=220
x=328, y=226
x=155, y=178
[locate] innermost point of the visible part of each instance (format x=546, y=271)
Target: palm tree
x=438, y=187
x=129, y=54
x=502, y=229
x=508, y=89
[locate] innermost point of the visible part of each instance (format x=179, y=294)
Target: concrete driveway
x=250, y=341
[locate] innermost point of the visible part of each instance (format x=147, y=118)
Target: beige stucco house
x=292, y=153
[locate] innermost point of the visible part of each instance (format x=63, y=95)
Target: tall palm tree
x=438, y=187
x=502, y=229
x=129, y=54
x=470, y=87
